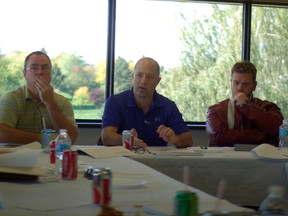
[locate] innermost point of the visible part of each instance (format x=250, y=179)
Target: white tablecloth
x=247, y=177
x=74, y=197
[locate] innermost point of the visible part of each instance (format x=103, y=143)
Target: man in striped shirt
x=24, y=112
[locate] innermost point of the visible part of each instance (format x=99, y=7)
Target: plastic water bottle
x=62, y=143
x=275, y=203
x=283, y=135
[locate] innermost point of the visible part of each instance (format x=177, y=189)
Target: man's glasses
x=37, y=68
x=142, y=150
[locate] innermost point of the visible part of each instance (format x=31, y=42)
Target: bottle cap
x=63, y=131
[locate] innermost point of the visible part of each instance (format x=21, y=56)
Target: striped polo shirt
x=19, y=110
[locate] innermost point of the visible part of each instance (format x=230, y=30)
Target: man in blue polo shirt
x=154, y=118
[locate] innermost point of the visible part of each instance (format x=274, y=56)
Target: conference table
x=246, y=176
x=134, y=184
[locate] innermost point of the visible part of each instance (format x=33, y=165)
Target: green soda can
x=46, y=136
x=186, y=203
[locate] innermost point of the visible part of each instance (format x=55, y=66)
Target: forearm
x=112, y=139
x=12, y=135
x=229, y=137
x=60, y=121
x=183, y=140
x=261, y=116
x=221, y=135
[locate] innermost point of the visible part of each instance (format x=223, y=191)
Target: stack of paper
x=269, y=151
x=20, y=161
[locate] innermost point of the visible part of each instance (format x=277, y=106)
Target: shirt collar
x=157, y=102
x=27, y=93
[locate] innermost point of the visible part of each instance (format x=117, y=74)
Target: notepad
x=178, y=152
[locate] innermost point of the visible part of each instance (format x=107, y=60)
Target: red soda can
x=128, y=139
x=69, y=165
x=102, y=186
x=52, y=152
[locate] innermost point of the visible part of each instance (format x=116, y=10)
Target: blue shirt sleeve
x=112, y=113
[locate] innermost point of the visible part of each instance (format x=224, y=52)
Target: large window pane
x=269, y=53
x=74, y=35
x=195, y=43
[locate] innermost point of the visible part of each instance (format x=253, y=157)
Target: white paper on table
x=33, y=145
x=104, y=151
x=20, y=157
x=166, y=151
x=268, y=151
x=21, y=160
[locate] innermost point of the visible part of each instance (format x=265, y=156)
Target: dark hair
x=35, y=53
x=244, y=67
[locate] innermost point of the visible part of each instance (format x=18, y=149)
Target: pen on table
x=151, y=124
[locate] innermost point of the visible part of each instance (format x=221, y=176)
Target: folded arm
x=12, y=135
x=220, y=135
x=263, y=119
x=267, y=119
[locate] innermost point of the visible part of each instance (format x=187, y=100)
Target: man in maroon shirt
x=243, y=119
